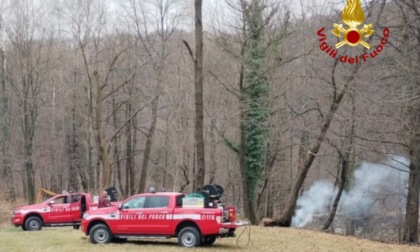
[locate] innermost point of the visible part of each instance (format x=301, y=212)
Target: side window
x=179, y=200
x=157, y=201
x=75, y=198
x=61, y=200
x=137, y=202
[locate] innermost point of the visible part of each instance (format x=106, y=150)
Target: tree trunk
x=248, y=206
x=410, y=233
x=72, y=151
x=133, y=153
x=199, y=106
x=29, y=116
x=342, y=184
x=165, y=167
x=288, y=211
x=5, y=131
x=287, y=214
x=90, y=168
x=100, y=136
x=115, y=143
x=84, y=178
x=148, y=147
x=29, y=169
x=213, y=166
x=72, y=172
x=128, y=152
x=412, y=207
x=344, y=168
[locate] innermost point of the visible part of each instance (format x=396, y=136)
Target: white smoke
x=314, y=201
x=371, y=182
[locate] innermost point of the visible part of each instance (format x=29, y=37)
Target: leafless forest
x=95, y=93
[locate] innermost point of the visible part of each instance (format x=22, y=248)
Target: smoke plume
x=371, y=184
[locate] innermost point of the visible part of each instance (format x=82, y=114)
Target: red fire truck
x=162, y=215
x=60, y=210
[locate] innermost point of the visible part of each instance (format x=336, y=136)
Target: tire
x=231, y=232
x=208, y=240
x=100, y=234
x=76, y=227
x=33, y=223
x=189, y=237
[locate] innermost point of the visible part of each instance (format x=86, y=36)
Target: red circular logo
x=353, y=37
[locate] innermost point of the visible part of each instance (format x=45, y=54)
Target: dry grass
x=252, y=239
x=66, y=239
x=6, y=209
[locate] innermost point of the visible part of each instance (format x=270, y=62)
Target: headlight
x=18, y=211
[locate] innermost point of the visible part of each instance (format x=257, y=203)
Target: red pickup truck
x=59, y=210
x=160, y=215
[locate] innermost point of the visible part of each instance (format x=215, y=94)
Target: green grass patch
x=66, y=239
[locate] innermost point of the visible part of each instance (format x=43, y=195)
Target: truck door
x=158, y=215
x=145, y=215
x=60, y=209
x=131, y=216
x=75, y=207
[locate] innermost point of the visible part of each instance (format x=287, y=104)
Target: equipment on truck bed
x=40, y=192
x=112, y=193
x=212, y=194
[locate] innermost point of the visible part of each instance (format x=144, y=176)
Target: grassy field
x=250, y=239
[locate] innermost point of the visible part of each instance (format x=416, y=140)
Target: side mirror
x=51, y=202
x=123, y=206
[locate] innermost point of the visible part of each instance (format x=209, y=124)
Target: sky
x=219, y=10
x=216, y=13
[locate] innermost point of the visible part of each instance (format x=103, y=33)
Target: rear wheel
x=100, y=234
x=189, y=237
x=209, y=240
x=33, y=223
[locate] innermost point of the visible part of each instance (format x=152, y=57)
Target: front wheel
x=189, y=237
x=100, y=234
x=33, y=223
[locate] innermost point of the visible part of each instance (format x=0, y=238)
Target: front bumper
x=84, y=226
x=17, y=220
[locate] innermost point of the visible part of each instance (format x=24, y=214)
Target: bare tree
x=154, y=37
x=29, y=60
x=199, y=106
x=89, y=29
x=5, y=123
x=327, y=119
x=410, y=60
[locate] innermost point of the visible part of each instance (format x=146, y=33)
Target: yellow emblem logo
x=353, y=16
